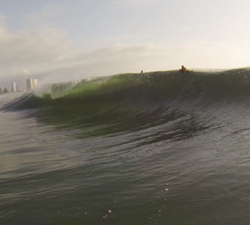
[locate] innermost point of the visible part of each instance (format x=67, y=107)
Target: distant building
x=35, y=82
x=5, y=90
x=29, y=84
x=14, y=87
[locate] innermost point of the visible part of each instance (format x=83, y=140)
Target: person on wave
x=184, y=69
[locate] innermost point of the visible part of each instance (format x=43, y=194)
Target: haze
x=59, y=40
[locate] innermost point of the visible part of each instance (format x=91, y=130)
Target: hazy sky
x=73, y=39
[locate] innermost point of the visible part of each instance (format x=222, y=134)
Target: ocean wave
x=183, y=104
x=153, y=88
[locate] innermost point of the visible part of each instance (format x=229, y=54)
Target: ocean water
x=130, y=149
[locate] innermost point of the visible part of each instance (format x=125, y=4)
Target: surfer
x=184, y=70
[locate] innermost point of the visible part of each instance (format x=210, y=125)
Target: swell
x=130, y=102
x=147, y=90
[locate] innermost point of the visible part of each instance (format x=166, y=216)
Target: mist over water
x=151, y=148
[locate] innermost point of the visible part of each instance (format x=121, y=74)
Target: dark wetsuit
x=184, y=70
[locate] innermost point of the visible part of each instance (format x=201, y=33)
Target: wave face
x=137, y=89
x=153, y=97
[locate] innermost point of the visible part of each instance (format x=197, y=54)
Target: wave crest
x=142, y=91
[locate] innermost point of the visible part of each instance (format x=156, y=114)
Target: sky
x=62, y=40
